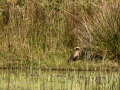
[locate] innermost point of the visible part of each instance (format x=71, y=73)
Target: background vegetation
x=42, y=33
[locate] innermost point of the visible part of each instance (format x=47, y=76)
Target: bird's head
x=77, y=48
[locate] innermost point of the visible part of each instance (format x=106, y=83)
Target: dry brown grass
x=42, y=32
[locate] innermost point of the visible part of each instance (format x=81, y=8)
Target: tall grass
x=41, y=33
x=101, y=29
x=37, y=79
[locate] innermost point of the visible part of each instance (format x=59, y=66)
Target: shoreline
x=63, y=69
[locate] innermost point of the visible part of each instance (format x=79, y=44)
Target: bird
x=75, y=56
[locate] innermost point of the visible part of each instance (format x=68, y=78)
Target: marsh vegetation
x=42, y=34
x=58, y=80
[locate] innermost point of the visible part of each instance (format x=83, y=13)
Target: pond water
x=58, y=80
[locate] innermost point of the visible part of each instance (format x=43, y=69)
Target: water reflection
x=57, y=80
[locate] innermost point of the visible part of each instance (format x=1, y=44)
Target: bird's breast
x=76, y=53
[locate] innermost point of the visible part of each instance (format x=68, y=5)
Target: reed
x=36, y=79
x=39, y=34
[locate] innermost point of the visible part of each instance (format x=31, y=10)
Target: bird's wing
x=71, y=57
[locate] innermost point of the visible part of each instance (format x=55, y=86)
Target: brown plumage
x=76, y=55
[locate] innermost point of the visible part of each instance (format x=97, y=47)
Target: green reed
x=36, y=79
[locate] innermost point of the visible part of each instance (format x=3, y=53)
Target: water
x=58, y=80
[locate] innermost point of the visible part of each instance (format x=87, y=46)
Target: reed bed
x=57, y=80
x=42, y=33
